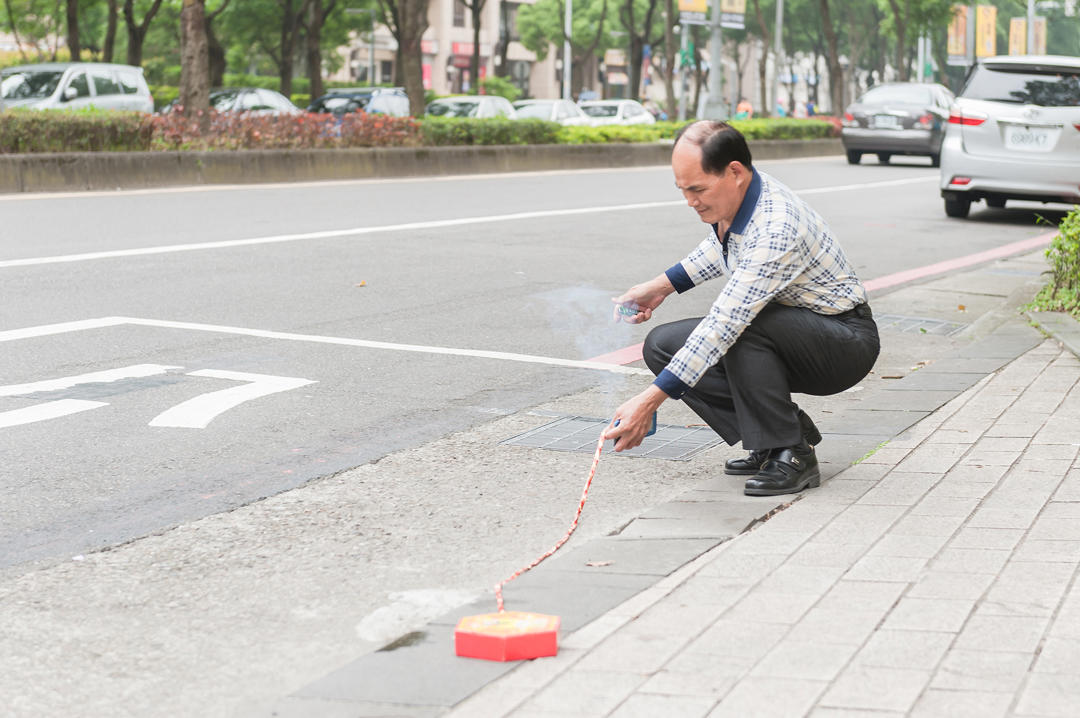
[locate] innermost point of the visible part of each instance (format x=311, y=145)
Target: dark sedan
x=383, y=100
x=897, y=118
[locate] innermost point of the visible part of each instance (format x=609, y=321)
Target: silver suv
x=1014, y=133
x=75, y=85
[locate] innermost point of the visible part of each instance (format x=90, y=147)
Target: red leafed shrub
x=247, y=131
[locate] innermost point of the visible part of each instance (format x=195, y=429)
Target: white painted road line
x=136, y=371
x=405, y=227
x=46, y=411
x=50, y=329
x=199, y=411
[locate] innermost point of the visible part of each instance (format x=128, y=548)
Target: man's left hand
x=635, y=418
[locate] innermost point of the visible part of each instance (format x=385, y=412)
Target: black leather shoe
x=747, y=465
x=752, y=463
x=788, y=471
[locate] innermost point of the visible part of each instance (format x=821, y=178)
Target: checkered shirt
x=778, y=249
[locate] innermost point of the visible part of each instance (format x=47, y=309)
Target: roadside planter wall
x=138, y=170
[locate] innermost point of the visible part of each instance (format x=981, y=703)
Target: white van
x=75, y=85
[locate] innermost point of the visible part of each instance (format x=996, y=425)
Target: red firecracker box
x=507, y=636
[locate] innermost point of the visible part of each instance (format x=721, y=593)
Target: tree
x=476, y=8
x=73, y=29
x=194, y=61
x=541, y=25
x=136, y=31
x=316, y=19
x=215, y=52
x=291, y=17
x=638, y=18
x=110, y=32
x=836, y=73
x=407, y=21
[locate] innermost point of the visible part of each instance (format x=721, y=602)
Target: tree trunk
x=413, y=24
x=766, y=45
x=671, y=104
x=215, y=55
x=110, y=32
x=502, y=67
x=314, y=50
x=900, y=20
x=474, y=62
x=73, y=29
x=836, y=73
x=137, y=30
x=194, y=62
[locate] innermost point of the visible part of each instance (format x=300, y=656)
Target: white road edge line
x=51, y=329
x=406, y=227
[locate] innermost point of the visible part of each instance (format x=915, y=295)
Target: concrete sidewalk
x=931, y=574
x=937, y=577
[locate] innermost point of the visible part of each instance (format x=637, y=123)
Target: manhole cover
x=579, y=433
x=920, y=325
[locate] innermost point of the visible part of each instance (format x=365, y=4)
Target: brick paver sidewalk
x=937, y=577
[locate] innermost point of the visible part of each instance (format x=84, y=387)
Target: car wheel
x=883, y=157
x=996, y=202
x=935, y=160
x=853, y=157
x=958, y=208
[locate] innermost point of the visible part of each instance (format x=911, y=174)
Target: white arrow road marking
x=48, y=410
x=136, y=371
x=199, y=411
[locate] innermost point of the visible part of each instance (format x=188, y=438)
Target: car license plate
x=1031, y=139
x=886, y=122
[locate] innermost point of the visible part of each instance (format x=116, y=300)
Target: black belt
x=862, y=311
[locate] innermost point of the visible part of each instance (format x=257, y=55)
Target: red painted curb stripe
x=891, y=280
x=629, y=355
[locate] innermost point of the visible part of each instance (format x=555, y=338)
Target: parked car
x=617, y=112
x=1014, y=133
x=383, y=100
x=564, y=112
x=75, y=85
x=479, y=106
x=256, y=100
x=897, y=118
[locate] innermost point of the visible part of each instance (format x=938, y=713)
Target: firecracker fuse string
x=566, y=537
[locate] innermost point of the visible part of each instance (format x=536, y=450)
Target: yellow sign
x=958, y=31
x=985, y=31
x=701, y=6
x=733, y=6
x=1018, y=36
x=1040, y=36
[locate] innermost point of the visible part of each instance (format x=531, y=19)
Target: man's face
x=716, y=198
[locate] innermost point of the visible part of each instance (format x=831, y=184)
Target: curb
x=143, y=170
x=1060, y=326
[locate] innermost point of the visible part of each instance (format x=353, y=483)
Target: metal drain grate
x=921, y=325
x=579, y=434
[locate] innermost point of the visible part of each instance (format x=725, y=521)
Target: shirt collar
x=746, y=209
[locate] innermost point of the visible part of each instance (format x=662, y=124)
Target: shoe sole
x=811, y=481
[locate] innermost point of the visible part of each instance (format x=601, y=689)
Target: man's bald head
x=720, y=145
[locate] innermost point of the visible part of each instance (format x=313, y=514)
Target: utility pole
x=778, y=55
x=715, y=108
x=1030, y=27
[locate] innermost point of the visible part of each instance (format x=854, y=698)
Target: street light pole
x=778, y=43
x=715, y=109
x=566, y=63
x=1031, y=27
x=684, y=44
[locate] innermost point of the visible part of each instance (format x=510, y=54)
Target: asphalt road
x=225, y=341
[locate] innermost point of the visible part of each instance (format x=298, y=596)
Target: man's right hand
x=644, y=297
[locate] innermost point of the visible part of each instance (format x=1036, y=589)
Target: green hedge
x=23, y=131
x=92, y=130
x=499, y=131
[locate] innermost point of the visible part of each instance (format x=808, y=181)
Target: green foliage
x=1062, y=293
x=609, y=133
x=783, y=128
x=23, y=131
x=300, y=99
x=163, y=95
x=244, y=131
x=467, y=131
x=500, y=86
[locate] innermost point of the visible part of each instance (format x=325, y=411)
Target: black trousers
x=785, y=349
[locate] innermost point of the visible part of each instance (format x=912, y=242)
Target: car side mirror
x=70, y=93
